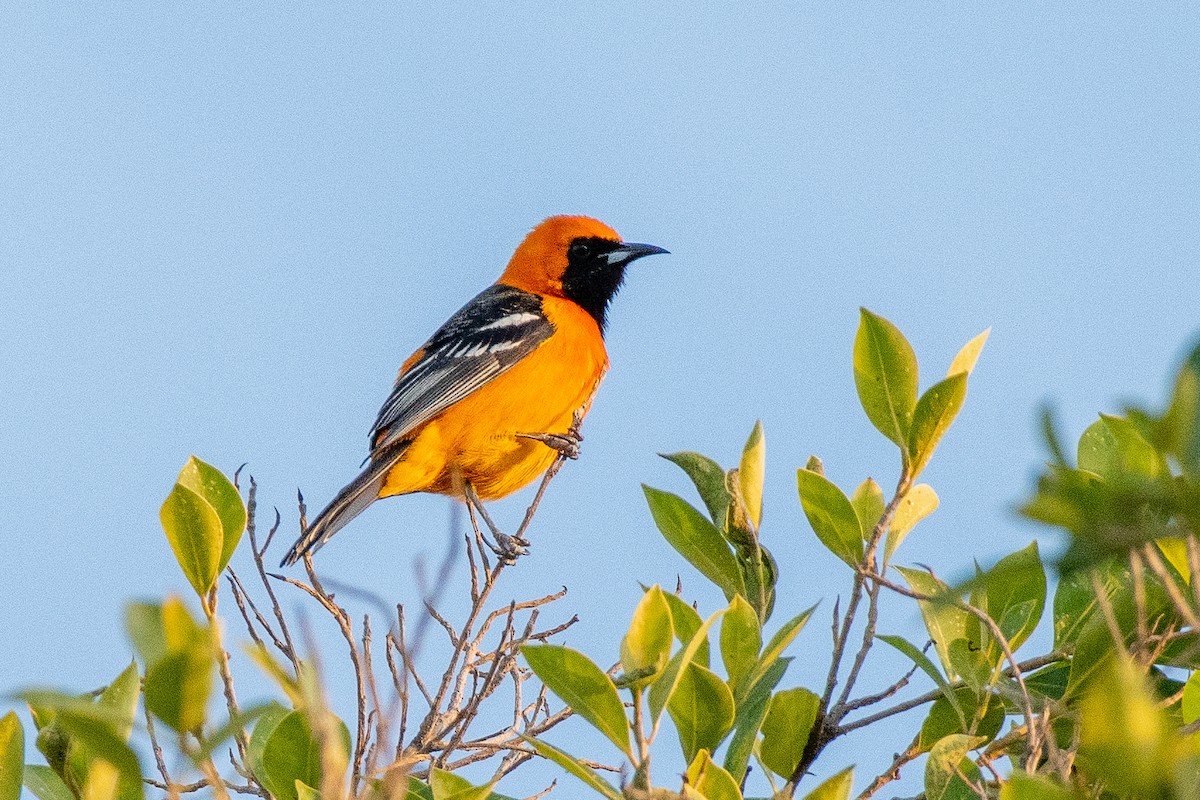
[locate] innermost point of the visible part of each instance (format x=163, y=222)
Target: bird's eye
x=580, y=250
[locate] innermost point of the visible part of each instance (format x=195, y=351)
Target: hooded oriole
x=488, y=402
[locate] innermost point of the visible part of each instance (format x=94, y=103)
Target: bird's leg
x=567, y=444
x=507, y=548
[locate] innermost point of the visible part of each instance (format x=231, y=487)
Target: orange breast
x=475, y=440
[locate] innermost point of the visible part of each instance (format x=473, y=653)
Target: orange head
x=578, y=258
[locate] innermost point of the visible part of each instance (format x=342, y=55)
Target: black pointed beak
x=631, y=251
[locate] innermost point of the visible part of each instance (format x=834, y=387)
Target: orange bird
x=491, y=400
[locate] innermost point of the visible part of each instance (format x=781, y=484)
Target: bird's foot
x=507, y=548
x=567, y=444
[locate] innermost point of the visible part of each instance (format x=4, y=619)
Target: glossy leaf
x=944, y=719
x=449, y=786
x=194, y=530
x=709, y=480
x=836, y=788
x=922, y=661
x=583, y=686
x=741, y=640
x=885, y=374
x=932, y=417
x=710, y=780
x=775, y=647
x=946, y=760
x=751, y=711
x=664, y=688
x=964, y=362
x=696, y=539
x=1114, y=449
x=647, y=645
x=919, y=502
x=211, y=484
x=577, y=768
x=751, y=473
x=701, y=708
x=1016, y=594
x=790, y=717
x=831, y=516
x=944, y=621
x=685, y=621
x=869, y=505
x=12, y=756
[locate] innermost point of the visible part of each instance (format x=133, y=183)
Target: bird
x=496, y=395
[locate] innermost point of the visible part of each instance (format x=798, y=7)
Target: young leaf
x=685, y=621
x=831, y=516
x=212, y=485
x=663, y=688
x=751, y=473
x=101, y=781
x=196, y=535
x=12, y=756
x=741, y=640
x=702, y=708
x=868, y=506
x=584, y=687
x=712, y=782
x=774, y=649
x=577, y=768
x=647, y=646
x=696, y=539
x=936, y=409
x=836, y=788
x=449, y=786
x=885, y=374
x=709, y=480
x=919, y=502
x=964, y=362
x=1191, y=699
x=790, y=717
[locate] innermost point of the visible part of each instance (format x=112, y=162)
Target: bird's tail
x=349, y=503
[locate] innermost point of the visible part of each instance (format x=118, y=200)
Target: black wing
x=483, y=339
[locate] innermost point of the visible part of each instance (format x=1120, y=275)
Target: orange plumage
x=523, y=357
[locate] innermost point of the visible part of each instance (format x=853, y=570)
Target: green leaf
x=306, y=792
x=577, y=768
x=885, y=374
x=1016, y=594
x=45, y=783
x=685, y=621
x=964, y=362
x=944, y=719
x=195, y=533
x=741, y=640
x=946, y=760
x=751, y=471
x=211, y=484
x=922, y=661
x=233, y=725
x=944, y=621
x=868, y=506
x=831, y=516
x=144, y=625
x=292, y=753
x=702, y=709
x=932, y=417
x=1181, y=423
x=1023, y=786
x=836, y=788
x=709, y=480
x=919, y=502
x=751, y=711
x=790, y=717
x=1191, y=699
x=775, y=647
x=12, y=756
x=121, y=697
x=696, y=539
x=98, y=740
x=178, y=686
x=710, y=780
x=584, y=687
x=647, y=646
x=1114, y=449
x=263, y=728
x=663, y=688
x=448, y=786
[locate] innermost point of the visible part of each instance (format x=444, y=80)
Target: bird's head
x=578, y=258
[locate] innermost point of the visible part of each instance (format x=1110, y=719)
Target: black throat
x=589, y=280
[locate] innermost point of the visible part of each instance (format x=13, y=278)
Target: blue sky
x=223, y=228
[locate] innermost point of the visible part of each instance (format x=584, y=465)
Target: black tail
x=349, y=503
